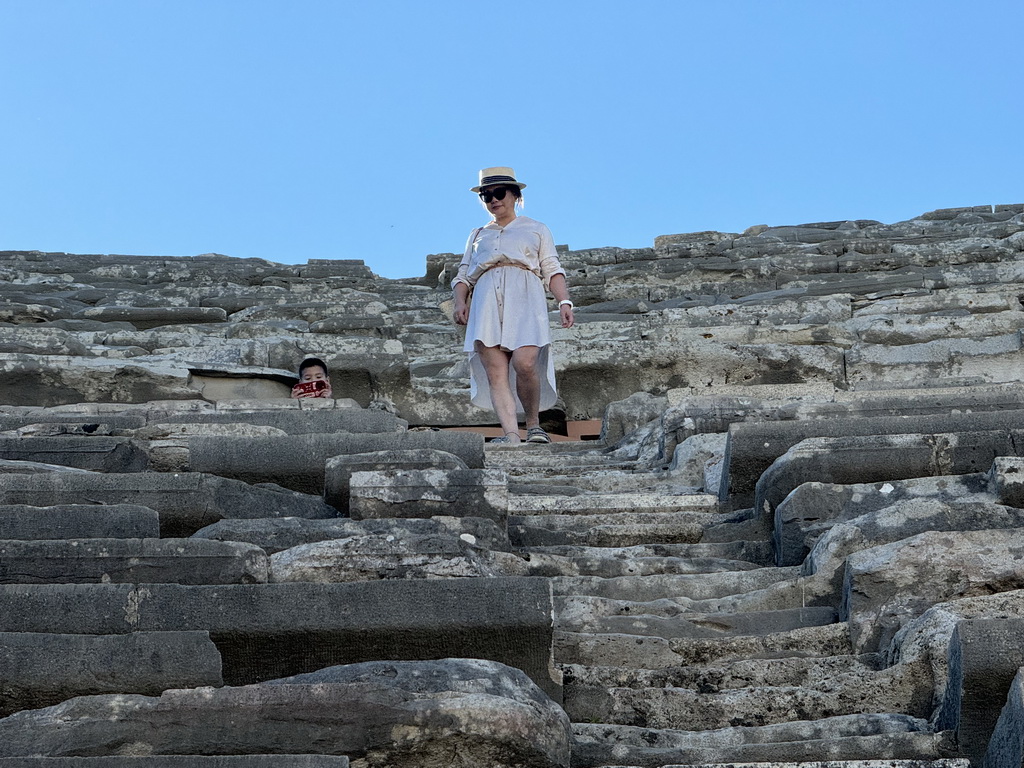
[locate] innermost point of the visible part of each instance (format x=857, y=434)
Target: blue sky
x=353, y=130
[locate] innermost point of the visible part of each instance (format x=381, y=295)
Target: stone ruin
x=784, y=522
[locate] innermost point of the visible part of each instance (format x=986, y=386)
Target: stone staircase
x=653, y=673
x=797, y=542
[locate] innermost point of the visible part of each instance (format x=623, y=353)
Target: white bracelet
x=563, y=302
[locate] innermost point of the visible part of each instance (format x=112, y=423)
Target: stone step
x=617, y=529
x=620, y=561
x=612, y=503
x=725, y=675
x=686, y=625
x=850, y=737
x=686, y=587
x=132, y=561
x=78, y=521
x=854, y=690
x=648, y=652
x=738, y=552
x=180, y=761
x=39, y=669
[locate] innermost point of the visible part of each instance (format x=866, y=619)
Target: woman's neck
x=504, y=221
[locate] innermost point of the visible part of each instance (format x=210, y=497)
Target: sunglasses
x=494, y=194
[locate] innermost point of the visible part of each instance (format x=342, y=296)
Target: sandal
x=537, y=435
x=503, y=440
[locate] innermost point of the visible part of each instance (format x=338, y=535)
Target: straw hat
x=497, y=175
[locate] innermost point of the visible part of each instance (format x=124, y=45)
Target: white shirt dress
x=509, y=269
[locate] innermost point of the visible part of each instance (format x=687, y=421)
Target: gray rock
x=131, y=561
x=271, y=630
x=185, y=502
x=338, y=470
x=889, y=585
x=1006, y=748
x=78, y=521
x=455, y=712
x=374, y=557
x=298, y=462
x=40, y=669
x=428, y=493
x=276, y=535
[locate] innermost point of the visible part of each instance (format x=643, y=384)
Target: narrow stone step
x=757, y=553
x=131, y=561
x=592, y=562
x=180, y=761
x=849, y=737
x=612, y=503
x=703, y=586
x=608, y=530
x=687, y=625
x=725, y=675
x=855, y=690
x=647, y=652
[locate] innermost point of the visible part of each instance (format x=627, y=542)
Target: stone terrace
x=796, y=541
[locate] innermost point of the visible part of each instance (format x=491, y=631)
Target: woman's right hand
x=461, y=311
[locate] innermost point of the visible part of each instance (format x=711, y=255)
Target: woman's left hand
x=568, y=319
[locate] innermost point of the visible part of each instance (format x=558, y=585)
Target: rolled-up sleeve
x=549, y=263
x=463, y=274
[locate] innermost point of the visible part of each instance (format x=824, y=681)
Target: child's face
x=313, y=373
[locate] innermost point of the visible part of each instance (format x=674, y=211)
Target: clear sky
x=353, y=130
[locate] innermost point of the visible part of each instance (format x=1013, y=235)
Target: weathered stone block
x=78, y=521
x=271, y=630
x=132, y=561
x=429, y=492
x=40, y=669
x=1006, y=749
x=339, y=469
x=185, y=502
x=401, y=714
x=298, y=462
x=984, y=657
x=887, y=586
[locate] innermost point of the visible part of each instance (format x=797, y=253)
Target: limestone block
x=180, y=761
x=898, y=522
x=78, y=521
x=867, y=459
x=984, y=656
x=899, y=331
x=96, y=453
x=813, y=508
x=386, y=556
x=623, y=416
x=153, y=317
x=47, y=380
x=38, y=669
x=752, y=448
x=131, y=561
x=298, y=462
x=429, y=492
x=339, y=469
x=265, y=631
x=36, y=340
x=1006, y=749
x=1007, y=480
x=889, y=585
x=401, y=714
x=592, y=373
x=991, y=360
x=843, y=740
x=295, y=420
x=185, y=502
x=275, y=535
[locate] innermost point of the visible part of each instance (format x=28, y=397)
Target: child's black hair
x=309, y=362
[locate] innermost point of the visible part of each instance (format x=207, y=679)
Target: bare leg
x=496, y=364
x=524, y=362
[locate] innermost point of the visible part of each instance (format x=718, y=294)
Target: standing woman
x=509, y=264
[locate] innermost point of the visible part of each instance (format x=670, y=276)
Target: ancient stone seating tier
x=797, y=540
